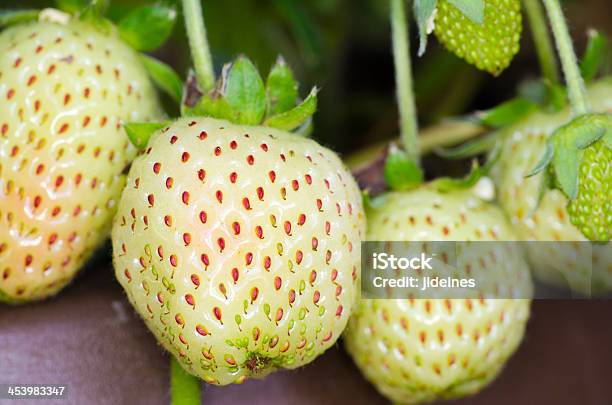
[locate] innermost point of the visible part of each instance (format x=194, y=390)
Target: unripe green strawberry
x=489, y=46
x=65, y=90
x=591, y=210
x=423, y=350
x=239, y=246
x=545, y=217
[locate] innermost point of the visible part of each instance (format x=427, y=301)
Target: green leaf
x=557, y=97
x=94, y=14
x=72, y=6
x=101, y=6
x=446, y=184
x=546, y=183
x=492, y=158
x=569, y=143
x=566, y=162
x=94, y=8
x=594, y=56
x=148, y=27
x=400, y=172
x=588, y=135
x=305, y=129
x=12, y=17
x=212, y=106
x=551, y=96
x=507, y=113
x=472, y=9
x=471, y=148
x=545, y=160
x=164, y=77
x=244, y=91
x=139, y=133
x=424, y=14
x=295, y=117
x=281, y=88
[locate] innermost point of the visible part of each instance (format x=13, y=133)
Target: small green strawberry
x=591, y=209
x=543, y=214
x=579, y=157
x=237, y=241
x=66, y=87
x=484, y=33
x=423, y=350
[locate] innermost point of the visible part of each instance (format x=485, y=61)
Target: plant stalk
x=198, y=42
x=542, y=41
x=571, y=70
x=444, y=134
x=185, y=388
x=403, y=81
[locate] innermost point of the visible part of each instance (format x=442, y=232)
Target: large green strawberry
x=489, y=44
x=421, y=350
x=542, y=215
x=239, y=244
x=66, y=88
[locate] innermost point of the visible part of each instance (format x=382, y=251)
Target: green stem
x=185, y=388
x=447, y=133
x=403, y=80
x=542, y=40
x=200, y=51
x=571, y=70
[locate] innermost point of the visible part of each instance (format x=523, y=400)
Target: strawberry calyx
x=401, y=173
x=241, y=96
x=476, y=174
x=139, y=132
x=76, y=7
x=577, y=161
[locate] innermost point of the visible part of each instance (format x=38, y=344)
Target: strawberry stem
x=565, y=48
x=185, y=387
x=198, y=42
x=403, y=81
x=542, y=41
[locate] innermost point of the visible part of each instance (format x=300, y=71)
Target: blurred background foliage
x=343, y=46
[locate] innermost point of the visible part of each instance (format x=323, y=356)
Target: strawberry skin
x=489, y=46
x=239, y=246
x=423, y=350
x=65, y=91
x=548, y=219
